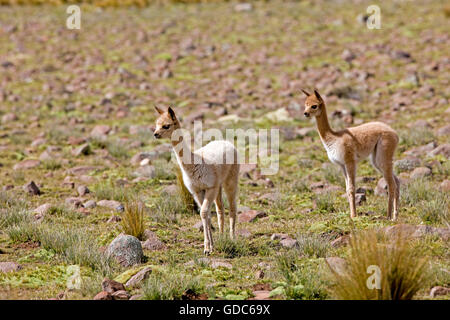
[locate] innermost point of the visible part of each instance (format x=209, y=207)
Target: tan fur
x=205, y=175
x=349, y=146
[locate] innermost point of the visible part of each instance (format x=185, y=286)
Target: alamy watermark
x=254, y=146
x=374, y=280
x=374, y=18
x=73, y=21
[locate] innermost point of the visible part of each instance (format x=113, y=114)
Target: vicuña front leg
x=210, y=196
x=350, y=169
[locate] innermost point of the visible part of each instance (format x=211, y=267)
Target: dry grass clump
x=133, y=219
x=402, y=272
x=170, y=286
x=184, y=193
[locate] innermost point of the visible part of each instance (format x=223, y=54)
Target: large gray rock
x=126, y=249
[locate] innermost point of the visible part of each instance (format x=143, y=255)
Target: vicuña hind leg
x=220, y=211
x=383, y=161
x=210, y=196
x=231, y=192
x=350, y=169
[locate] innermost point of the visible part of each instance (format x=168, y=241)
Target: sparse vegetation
x=133, y=219
x=170, y=286
x=402, y=272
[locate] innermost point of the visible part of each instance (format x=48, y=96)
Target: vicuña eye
x=167, y=126
x=314, y=106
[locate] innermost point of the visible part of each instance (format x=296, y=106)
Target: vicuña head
x=166, y=124
x=313, y=104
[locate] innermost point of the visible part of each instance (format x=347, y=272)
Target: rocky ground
x=76, y=144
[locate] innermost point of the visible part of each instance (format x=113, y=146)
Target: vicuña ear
x=158, y=110
x=306, y=93
x=172, y=114
x=318, y=95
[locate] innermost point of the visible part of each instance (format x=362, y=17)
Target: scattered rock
x=111, y=204
x=120, y=295
x=421, y=150
x=126, y=249
x=100, y=131
x=152, y=242
x=279, y=236
x=341, y=241
x=412, y=231
x=259, y=274
x=251, y=215
x=114, y=219
x=444, y=131
x=147, y=171
x=82, y=190
x=32, y=188
x=439, y=291
x=243, y=7
x=381, y=188
x=445, y=185
x=443, y=149
x=84, y=149
x=360, y=198
x=43, y=209
x=103, y=295
x=6, y=267
x=289, y=243
x=261, y=295
x=90, y=204
x=74, y=202
x=9, y=117
x=337, y=264
x=27, y=164
x=407, y=164
x=221, y=264
x=111, y=286
x=138, y=278
x=136, y=297
x=420, y=172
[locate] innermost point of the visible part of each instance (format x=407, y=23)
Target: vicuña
x=349, y=146
x=206, y=172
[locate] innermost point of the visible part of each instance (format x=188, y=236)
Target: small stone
x=381, y=188
x=138, y=278
x=43, y=209
x=445, y=185
x=32, y=189
x=259, y=274
x=37, y=142
x=153, y=243
x=90, y=204
x=289, y=243
x=9, y=117
x=121, y=295
x=443, y=149
x=111, y=286
x=407, y=164
x=82, y=190
x=360, y=198
x=74, y=202
x=26, y=164
x=111, y=204
x=243, y=7
x=337, y=264
x=126, y=249
x=420, y=172
x=147, y=171
x=100, y=130
x=221, y=264
x=251, y=215
x=84, y=149
x=444, y=131
x=103, y=295
x=6, y=267
x=136, y=297
x=439, y=291
x=114, y=219
x=279, y=236
x=261, y=295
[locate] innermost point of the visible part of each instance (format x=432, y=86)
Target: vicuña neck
x=183, y=151
x=323, y=126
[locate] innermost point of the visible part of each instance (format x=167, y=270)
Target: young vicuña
x=205, y=172
x=347, y=147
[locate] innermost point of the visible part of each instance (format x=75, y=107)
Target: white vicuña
x=205, y=172
x=347, y=147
